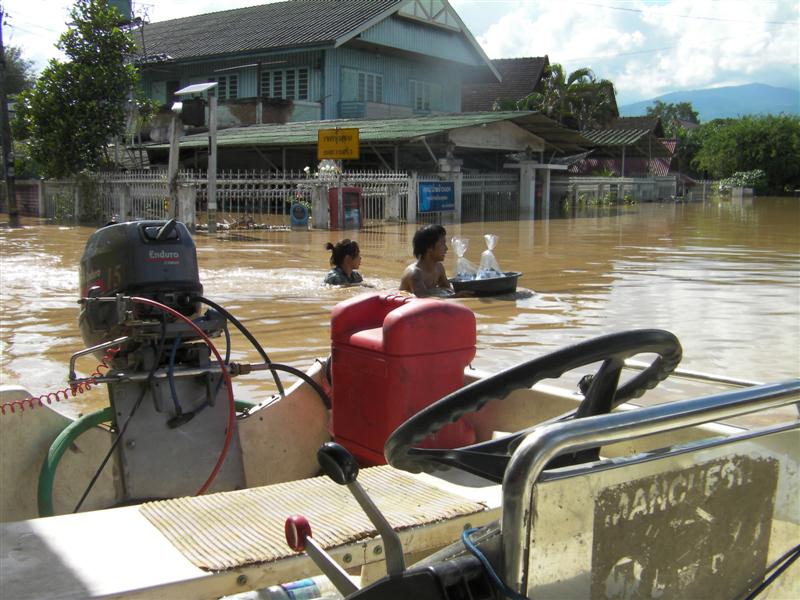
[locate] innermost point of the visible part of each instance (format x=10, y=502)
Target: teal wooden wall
x=397, y=74
x=396, y=32
x=155, y=77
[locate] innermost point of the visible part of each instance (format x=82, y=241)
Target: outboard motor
x=152, y=259
x=170, y=406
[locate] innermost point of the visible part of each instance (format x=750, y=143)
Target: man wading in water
x=427, y=277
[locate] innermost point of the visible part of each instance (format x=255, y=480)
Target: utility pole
x=8, y=155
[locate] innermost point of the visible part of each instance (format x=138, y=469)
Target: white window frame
x=420, y=95
x=227, y=86
x=275, y=83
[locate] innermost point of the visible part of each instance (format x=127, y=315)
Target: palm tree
x=595, y=104
x=576, y=100
x=555, y=94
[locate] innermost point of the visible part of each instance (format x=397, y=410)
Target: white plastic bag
x=489, y=267
x=464, y=269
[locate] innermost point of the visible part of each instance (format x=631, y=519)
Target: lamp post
x=199, y=88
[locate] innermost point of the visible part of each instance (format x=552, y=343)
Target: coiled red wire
x=65, y=394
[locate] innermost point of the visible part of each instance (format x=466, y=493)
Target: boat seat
x=368, y=339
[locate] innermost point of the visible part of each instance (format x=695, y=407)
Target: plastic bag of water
x=464, y=268
x=489, y=267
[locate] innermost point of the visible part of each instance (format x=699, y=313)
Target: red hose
x=57, y=396
x=225, y=375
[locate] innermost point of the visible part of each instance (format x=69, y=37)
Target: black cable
x=249, y=336
x=227, y=343
x=147, y=386
x=787, y=559
x=298, y=373
x=500, y=585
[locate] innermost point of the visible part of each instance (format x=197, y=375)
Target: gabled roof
x=636, y=166
x=638, y=142
x=520, y=77
x=652, y=124
x=291, y=24
x=615, y=137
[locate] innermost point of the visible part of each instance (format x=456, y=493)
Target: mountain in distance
x=727, y=102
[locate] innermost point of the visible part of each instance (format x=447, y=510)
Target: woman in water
x=345, y=259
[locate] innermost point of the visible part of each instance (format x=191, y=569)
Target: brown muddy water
x=725, y=278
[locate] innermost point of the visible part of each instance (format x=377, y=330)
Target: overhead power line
x=702, y=18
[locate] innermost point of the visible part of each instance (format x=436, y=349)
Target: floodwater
x=724, y=277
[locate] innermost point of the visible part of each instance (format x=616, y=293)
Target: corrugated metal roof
x=615, y=137
x=296, y=23
x=650, y=123
x=520, y=77
x=383, y=130
x=658, y=167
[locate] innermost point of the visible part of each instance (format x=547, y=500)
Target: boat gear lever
x=457, y=576
x=341, y=467
x=298, y=536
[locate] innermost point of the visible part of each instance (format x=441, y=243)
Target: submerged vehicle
x=497, y=485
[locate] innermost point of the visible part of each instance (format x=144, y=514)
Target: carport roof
x=642, y=140
x=386, y=130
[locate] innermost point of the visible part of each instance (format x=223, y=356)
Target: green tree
x=577, y=99
x=672, y=115
x=19, y=72
x=78, y=106
x=770, y=143
x=594, y=104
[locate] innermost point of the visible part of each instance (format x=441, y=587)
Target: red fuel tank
x=393, y=355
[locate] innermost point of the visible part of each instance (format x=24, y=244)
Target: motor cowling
x=151, y=259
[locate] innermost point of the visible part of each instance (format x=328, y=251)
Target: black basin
x=507, y=284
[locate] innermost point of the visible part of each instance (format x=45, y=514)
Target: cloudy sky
x=646, y=47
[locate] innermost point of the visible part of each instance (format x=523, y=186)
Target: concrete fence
x=614, y=189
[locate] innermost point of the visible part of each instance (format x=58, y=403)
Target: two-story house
x=305, y=60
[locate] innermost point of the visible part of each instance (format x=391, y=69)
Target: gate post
x=411, y=206
x=124, y=197
x=458, y=178
x=187, y=200
x=527, y=189
x=392, y=207
x=450, y=169
x=546, y=193
x=40, y=190
x=76, y=215
x=320, y=210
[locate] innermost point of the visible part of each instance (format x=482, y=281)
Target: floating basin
x=506, y=284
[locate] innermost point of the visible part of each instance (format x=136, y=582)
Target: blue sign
x=436, y=196
x=298, y=216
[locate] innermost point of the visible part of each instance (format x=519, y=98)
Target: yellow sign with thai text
x=337, y=144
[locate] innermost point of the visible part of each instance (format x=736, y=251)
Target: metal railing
x=489, y=197
x=264, y=198
x=549, y=441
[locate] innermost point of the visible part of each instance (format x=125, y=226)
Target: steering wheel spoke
x=482, y=464
x=599, y=398
x=604, y=393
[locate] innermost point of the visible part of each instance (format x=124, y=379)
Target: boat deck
x=221, y=544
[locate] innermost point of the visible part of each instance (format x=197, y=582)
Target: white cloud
x=649, y=48
x=645, y=47
x=36, y=31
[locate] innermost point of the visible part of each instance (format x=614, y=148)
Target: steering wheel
x=602, y=393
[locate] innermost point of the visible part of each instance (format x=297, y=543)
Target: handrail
x=549, y=441
x=696, y=375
